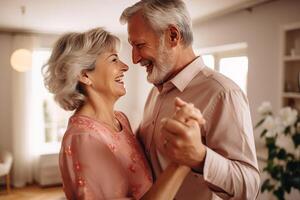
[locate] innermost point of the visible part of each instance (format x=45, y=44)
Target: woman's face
x=107, y=77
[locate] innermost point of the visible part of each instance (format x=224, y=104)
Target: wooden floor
x=33, y=193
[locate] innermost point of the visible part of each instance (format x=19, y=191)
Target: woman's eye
x=115, y=60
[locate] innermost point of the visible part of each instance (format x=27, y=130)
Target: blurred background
x=254, y=42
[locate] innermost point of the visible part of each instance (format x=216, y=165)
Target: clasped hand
x=181, y=136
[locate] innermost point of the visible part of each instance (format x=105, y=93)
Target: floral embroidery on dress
x=77, y=166
x=136, y=189
x=81, y=122
x=136, y=154
x=132, y=168
x=112, y=147
x=68, y=150
x=134, y=157
x=80, y=181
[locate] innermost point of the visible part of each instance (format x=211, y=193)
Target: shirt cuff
x=216, y=168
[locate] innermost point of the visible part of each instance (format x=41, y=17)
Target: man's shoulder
x=211, y=80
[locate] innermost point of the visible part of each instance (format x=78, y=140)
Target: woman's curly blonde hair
x=73, y=53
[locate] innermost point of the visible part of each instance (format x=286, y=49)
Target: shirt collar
x=183, y=78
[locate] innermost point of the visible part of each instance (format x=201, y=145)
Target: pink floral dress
x=97, y=163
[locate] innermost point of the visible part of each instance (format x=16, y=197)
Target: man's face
x=149, y=49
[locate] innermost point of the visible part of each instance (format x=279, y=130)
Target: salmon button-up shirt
x=230, y=167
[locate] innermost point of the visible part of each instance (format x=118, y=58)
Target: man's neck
x=185, y=57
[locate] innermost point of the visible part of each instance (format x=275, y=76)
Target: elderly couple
x=178, y=152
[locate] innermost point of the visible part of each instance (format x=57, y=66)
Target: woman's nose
x=124, y=67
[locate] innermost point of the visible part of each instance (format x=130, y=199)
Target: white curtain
x=25, y=136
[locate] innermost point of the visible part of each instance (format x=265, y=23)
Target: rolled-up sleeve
x=230, y=167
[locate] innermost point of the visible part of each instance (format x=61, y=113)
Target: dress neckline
x=102, y=124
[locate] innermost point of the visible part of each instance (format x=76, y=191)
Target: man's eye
x=139, y=46
x=115, y=60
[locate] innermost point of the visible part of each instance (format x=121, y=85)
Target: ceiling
x=56, y=16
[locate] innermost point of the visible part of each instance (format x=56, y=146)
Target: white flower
x=272, y=126
x=265, y=108
x=285, y=142
x=288, y=116
x=293, y=130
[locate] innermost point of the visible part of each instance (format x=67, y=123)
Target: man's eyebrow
x=129, y=41
x=135, y=42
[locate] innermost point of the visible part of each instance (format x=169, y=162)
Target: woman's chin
x=120, y=93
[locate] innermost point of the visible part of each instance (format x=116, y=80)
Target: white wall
x=260, y=29
x=5, y=92
x=137, y=87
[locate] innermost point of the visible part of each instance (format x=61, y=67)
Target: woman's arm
x=168, y=183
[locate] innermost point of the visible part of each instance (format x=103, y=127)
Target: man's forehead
x=136, y=38
x=136, y=34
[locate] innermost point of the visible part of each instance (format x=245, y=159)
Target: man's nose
x=136, y=57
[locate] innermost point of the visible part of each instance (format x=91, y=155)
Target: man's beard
x=163, y=66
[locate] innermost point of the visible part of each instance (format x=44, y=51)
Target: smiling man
x=222, y=152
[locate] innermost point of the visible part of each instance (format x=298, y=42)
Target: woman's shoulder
x=85, y=123
x=81, y=126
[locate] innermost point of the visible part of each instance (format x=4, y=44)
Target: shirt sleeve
x=90, y=170
x=230, y=166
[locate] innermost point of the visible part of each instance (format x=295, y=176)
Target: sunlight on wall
x=236, y=68
x=209, y=61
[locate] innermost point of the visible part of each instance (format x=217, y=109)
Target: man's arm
x=229, y=160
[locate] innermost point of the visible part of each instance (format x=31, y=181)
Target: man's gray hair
x=162, y=13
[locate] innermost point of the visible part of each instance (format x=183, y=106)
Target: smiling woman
x=85, y=74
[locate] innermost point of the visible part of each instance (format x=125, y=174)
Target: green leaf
x=282, y=154
x=296, y=139
x=279, y=193
x=287, y=130
x=263, y=133
x=259, y=123
x=266, y=186
x=290, y=156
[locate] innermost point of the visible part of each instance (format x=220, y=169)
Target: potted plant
x=281, y=134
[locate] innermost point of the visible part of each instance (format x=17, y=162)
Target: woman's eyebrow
x=114, y=54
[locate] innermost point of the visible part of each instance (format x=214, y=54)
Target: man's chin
x=154, y=81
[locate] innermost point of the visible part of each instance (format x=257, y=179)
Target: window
x=236, y=68
x=230, y=60
x=51, y=120
x=209, y=60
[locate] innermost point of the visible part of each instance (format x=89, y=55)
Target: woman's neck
x=100, y=108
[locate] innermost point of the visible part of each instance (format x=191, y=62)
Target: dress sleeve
x=230, y=167
x=91, y=171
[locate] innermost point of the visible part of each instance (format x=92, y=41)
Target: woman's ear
x=84, y=78
x=173, y=35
